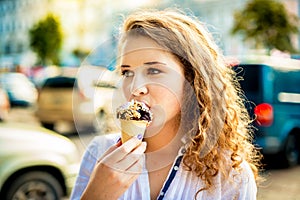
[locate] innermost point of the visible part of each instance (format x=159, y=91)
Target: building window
x=7, y=49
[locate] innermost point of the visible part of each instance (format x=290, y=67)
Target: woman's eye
x=154, y=71
x=127, y=73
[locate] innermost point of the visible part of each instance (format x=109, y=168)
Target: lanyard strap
x=175, y=168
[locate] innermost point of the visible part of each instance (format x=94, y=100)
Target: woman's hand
x=116, y=170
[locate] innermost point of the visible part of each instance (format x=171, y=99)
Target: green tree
x=46, y=40
x=268, y=24
x=80, y=53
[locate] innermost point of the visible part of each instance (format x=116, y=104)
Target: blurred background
x=48, y=95
x=79, y=26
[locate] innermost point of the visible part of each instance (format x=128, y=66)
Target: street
x=279, y=184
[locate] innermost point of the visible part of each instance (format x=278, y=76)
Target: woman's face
x=153, y=76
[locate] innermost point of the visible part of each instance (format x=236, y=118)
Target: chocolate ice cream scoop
x=134, y=110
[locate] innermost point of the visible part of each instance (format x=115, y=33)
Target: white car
x=20, y=90
x=36, y=163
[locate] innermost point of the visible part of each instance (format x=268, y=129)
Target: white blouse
x=184, y=185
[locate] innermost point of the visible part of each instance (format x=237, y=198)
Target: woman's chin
x=153, y=129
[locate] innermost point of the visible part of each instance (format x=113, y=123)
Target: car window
x=250, y=77
x=59, y=82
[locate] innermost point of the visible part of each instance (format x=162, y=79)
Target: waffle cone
x=131, y=128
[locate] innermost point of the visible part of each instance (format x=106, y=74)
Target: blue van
x=272, y=90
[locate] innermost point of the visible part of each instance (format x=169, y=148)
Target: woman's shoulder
x=238, y=182
x=239, y=171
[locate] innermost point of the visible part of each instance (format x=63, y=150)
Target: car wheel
x=291, y=151
x=35, y=185
x=49, y=126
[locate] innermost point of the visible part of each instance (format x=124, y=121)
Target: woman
x=198, y=145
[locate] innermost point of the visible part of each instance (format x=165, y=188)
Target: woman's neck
x=166, y=138
x=163, y=147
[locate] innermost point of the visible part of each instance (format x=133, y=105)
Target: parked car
x=86, y=104
x=54, y=103
x=4, y=105
x=272, y=90
x=20, y=90
x=35, y=163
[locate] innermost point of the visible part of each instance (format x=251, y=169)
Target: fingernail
x=118, y=140
x=139, y=136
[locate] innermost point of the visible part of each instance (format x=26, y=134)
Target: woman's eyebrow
x=146, y=63
x=125, y=66
x=154, y=63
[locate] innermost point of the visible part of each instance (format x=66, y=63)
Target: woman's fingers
x=137, y=167
x=120, y=152
x=118, y=168
x=132, y=158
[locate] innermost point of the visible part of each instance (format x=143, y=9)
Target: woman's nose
x=138, y=86
x=142, y=90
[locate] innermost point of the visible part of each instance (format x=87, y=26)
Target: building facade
x=87, y=23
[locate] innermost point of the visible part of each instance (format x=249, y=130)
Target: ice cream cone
x=131, y=128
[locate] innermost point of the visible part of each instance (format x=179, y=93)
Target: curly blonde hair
x=218, y=123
